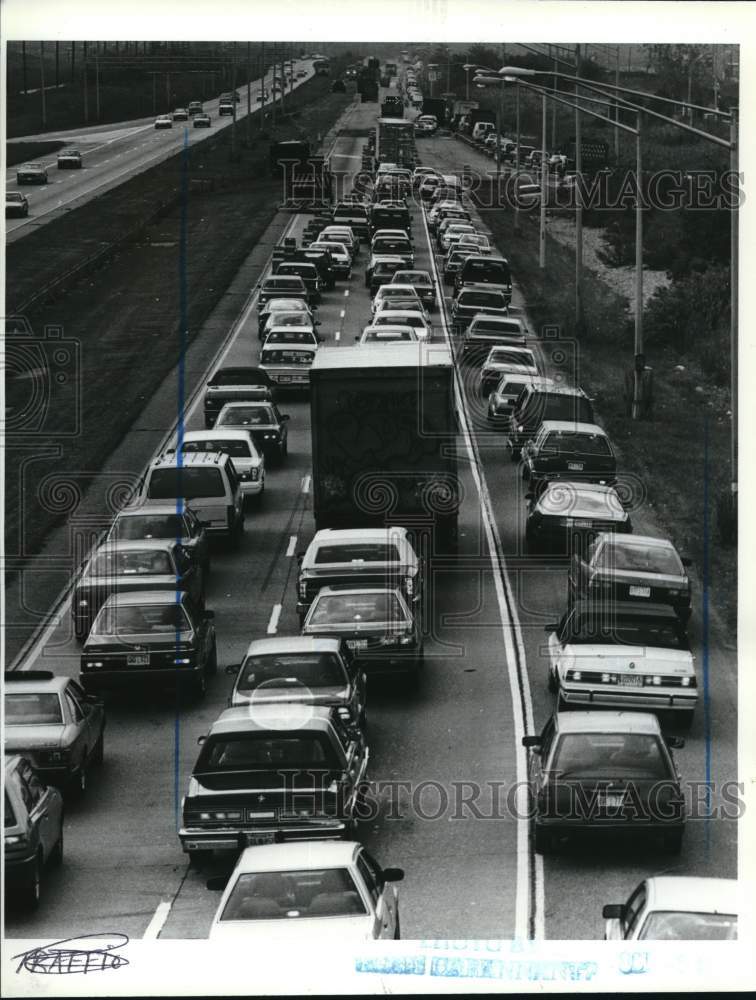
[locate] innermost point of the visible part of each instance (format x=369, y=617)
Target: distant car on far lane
x=195, y=108
x=163, y=121
x=180, y=115
x=16, y=204
x=69, y=159
x=31, y=173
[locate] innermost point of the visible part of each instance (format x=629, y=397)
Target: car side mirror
x=393, y=874
x=316, y=322
x=674, y=742
x=551, y=627
x=529, y=496
x=217, y=883
x=357, y=338
x=232, y=669
x=613, y=911
x=300, y=557
x=201, y=739
x=531, y=742
x=686, y=561
x=209, y=615
x=285, y=417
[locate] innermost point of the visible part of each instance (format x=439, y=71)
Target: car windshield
x=283, y=283
x=266, y=751
x=141, y=526
x=357, y=552
x=669, y=925
x=389, y=318
x=613, y=630
x=641, y=558
x=141, y=619
x=280, y=305
x=286, y=357
x=131, y=563
x=413, y=277
x=253, y=416
x=329, y=892
x=234, y=448
x=185, y=481
x=609, y=755
x=569, y=442
x=291, y=670
x=356, y=609
x=32, y=709
x=292, y=336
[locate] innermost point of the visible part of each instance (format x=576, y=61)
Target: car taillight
x=409, y=586
x=254, y=474
x=303, y=589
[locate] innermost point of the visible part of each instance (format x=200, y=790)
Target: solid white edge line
x=522, y=710
x=274, y=616
x=159, y=917
x=292, y=546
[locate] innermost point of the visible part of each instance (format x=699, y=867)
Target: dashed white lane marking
x=337, y=336
x=275, y=615
x=346, y=293
x=342, y=314
x=306, y=484
x=159, y=917
x=292, y=546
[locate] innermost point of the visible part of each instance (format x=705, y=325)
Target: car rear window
x=32, y=709
x=292, y=670
x=609, y=755
x=234, y=448
x=132, y=563
x=328, y=892
x=252, y=416
x=357, y=552
x=493, y=272
x=142, y=526
x=567, y=442
x=292, y=319
x=492, y=300
x=229, y=376
x=142, y=619
x=495, y=326
x=356, y=609
x=641, y=559
x=285, y=283
x=187, y=482
x=568, y=499
x=504, y=356
x=658, y=633
x=266, y=752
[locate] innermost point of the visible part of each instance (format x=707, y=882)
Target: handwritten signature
x=86, y=953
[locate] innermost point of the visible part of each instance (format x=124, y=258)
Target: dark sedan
x=632, y=568
x=568, y=515
x=566, y=450
x=156, y=637
x=264, y=421
x=123, y=567
x=16, y=204
x=379, y=626
x=135, y=524
x=605, y=773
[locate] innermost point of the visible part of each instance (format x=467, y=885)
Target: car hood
x=647, y=659
x=335, y=930
x=19, y=738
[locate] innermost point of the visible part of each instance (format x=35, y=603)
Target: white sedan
x=676, y=908
x=330, y=890
x=163, y=121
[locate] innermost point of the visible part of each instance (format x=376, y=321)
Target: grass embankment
x=21, y=152
x=125, y=314
x=682, y=476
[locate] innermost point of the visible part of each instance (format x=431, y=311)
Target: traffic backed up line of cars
x=622, y=642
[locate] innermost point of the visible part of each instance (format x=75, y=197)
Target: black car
x=539, y=403
x=307, y=271
x=279, y=772
x=125, y=567
x=283, y=304
x=567, y=516
x=16, y=204
x=573, y=451
x=267, y=425
x=605, y=773
x=634, y=568
x=233, y=384
x=481, y=269
x=140, y=523
x=281, y=286
x=156, y=637
x=381, y=270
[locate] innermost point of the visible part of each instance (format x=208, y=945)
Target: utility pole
x=23, y=68
x=233, y=100
x=517, y=160
x=73, y=60
x=578, y=209
x=640, y=362
x=249, y=97
x=86, y=91
x=97, y=86
x=616, y=106
x=544, y=187
x=556, y=107
x=57, y=65
x=262, y=85
x=42, y=82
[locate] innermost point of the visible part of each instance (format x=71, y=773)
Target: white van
x=206, y=481
x=481, y=130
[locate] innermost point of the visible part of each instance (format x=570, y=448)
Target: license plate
x=138, y=660
x=576, y=522
x=357, y=643
x=611, y=801
x=253, y=839
x=284, y=378
x=631, y=681
x=575, y=466
x=640, y=591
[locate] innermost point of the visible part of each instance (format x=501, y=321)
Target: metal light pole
x=616, y=107
x=249, y=96
x=517, y=158
x=578, y=211
x=97, y=85
x=498, y=137
x=639, y=359
x=467, y=82
x=542, y=230
x=42, y=81
x=734, y=262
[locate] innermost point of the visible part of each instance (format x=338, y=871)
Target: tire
x=212, y=663
x=31, y=892
x=542, y=841
x=199, y=858
x=199, y=686
x=397, y=929
x=56, y=855
x=672, y=841
x=552, y=684
x=363, y=720
x=79, y=782
x=98, y=754
x=685, y=718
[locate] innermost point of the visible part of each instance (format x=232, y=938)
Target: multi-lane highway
x=470, y=872
x=113, y=153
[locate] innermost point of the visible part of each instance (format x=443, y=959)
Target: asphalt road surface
x=114, y=153
x=467, y=875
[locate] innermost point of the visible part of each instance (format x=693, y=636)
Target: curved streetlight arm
x=575, y=107
x=522, y=71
